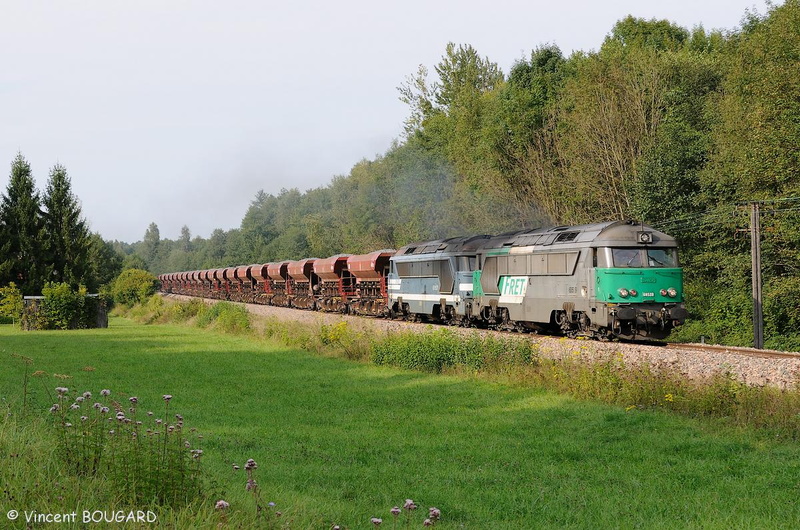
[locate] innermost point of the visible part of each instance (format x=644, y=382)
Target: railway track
x=751, y=352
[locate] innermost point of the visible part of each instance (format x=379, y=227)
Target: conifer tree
x=20, y=230
x=66, y=238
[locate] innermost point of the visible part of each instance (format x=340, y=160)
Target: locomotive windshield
x=640, y=257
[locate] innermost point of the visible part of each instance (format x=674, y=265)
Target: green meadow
x=340, y=442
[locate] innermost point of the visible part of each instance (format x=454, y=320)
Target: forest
x=682, y=129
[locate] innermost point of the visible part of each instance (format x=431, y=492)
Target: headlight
x=623, y=293
x=672, y=292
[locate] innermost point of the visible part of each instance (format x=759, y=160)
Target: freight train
x=617, y=279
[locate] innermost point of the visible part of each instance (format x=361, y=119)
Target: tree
x=20, y=230
x=185, y=239
x=150, y=244
x=105, y=263
x=65, y=235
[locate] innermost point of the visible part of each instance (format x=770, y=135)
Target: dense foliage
x=678, y=128
x=44, y=238
x=133, y=286
x=62, y=307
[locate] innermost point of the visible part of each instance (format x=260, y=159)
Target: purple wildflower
x=250, y=465
x=79, y=399
x=427, y=522
x=133, y=399
x=376, y=521
x=54, y=408
x=84, y=418
x=235, y=467
x=62, y=390
x=87, y=395
x=67, y=425
x=271, y=504
x=74, y=406
x=97, y=405
x=434, y=513
x=221, y=505
x=395, y=511
x=409, y=505
x=105, y=392
x=251, y=485
x=104, y=410
x=167, y=397
x=197, y=453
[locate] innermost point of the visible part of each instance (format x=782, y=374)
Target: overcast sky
x=178, y=112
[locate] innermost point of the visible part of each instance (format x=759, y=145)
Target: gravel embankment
x=759, y=371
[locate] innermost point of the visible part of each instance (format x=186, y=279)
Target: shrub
x=133, y=286
x=62, y=308
x=11, y=302
x=228, y=317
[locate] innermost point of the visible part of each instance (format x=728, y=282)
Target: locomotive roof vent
x=566, y=236
x=644, y=238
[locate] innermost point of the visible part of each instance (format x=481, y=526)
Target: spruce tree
x=66, y=237
x=20, y=229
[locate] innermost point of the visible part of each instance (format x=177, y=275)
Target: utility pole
x=755, y=253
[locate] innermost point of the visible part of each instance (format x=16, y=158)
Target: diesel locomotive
x=616, y=279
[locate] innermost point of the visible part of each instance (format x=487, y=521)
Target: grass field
x=341, y=442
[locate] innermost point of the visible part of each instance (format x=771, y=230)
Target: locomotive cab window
x=640, y=257
x=662, y=257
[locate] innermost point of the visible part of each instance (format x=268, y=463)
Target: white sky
x=178, y=112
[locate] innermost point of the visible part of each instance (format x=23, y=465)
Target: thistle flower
x=97, y=406
x=87, y=395
x=79, y=399
x=120, y=416
x=251, y=485
x=133, y=399
x=178, y=417
x=376, y=521
x=67, y=425
x=221, y=505
x=74, y=406
x=62, y=390
x=434, y=513
x=104, y=410
x=149, y=413
x=235, y=467
x=186, y=444
x=159, y=421
x=105, y=392
x=84, y=418
x=409, y=505
x=54, y=408
x=250, y=465
x=167, y=397
x=427, y=522
x=197, y=453
x=336, y=527
x=395, y=511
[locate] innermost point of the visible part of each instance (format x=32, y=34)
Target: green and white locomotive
x=614, y=279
